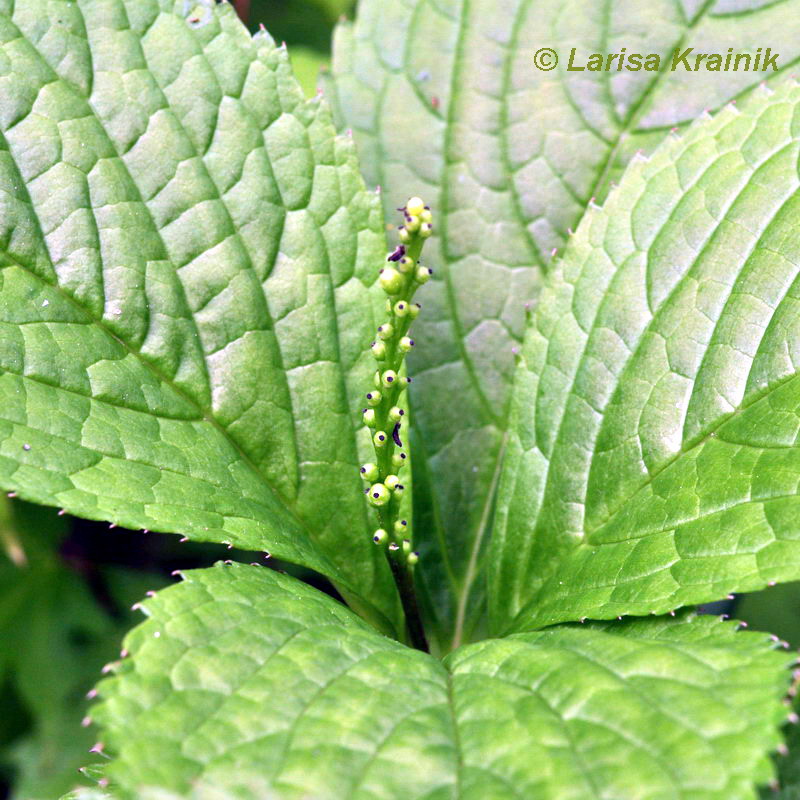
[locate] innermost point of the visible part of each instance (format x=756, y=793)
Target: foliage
x=242, y=678
x=449, y=105
x=188, y=264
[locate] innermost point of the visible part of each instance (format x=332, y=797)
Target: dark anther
x=389, y=379
x=396, y=435
x=363, y=470
x=398, y=253
x=404, y=522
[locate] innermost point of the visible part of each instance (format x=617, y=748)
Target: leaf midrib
x=563, y=413
x=639, y=108
x=472, y=566
x=203, y=413
x=745, y=403
x=202, y=416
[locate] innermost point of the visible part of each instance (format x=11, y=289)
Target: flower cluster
x=400, y=279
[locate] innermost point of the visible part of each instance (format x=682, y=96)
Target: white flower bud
x=406, y=344
x=378, y=350
x=399, y=490
x=399, y=461
x=406, y=545
x=425, y=230
x=388, y=378
x=412, y=223
x=413, y=310
x=423, y=274
x=380, y=536
x=369, y=417
x=369, y=472
x=374, y=398
x=404, y=235
x=380, y=439
x=415, y=205
x=425, y=215
x=392, y=481
x=401, y=528
x=386, y=331
x=413, y=558
x=391, y=280
x=396, y=413
x=401, y=308
x=378, y=494
x=405, y=264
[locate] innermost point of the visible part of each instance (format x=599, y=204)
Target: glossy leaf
x=655, y=460
x=185, y=252
x=444, y=100
x=245, y=683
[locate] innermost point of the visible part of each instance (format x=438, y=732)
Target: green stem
x=404, y=578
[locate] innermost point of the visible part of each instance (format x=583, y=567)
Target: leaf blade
x=651, y=365
x=510, y=159
x=187, y=265
x=309, y=700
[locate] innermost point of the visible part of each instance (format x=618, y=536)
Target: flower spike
x=384, y=416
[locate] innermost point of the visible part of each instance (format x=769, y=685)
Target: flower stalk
x=383, y=414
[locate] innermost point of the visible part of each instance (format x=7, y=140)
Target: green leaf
x=244, y=682
x=445, y=102
x=185, y=255
x=654, y=462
